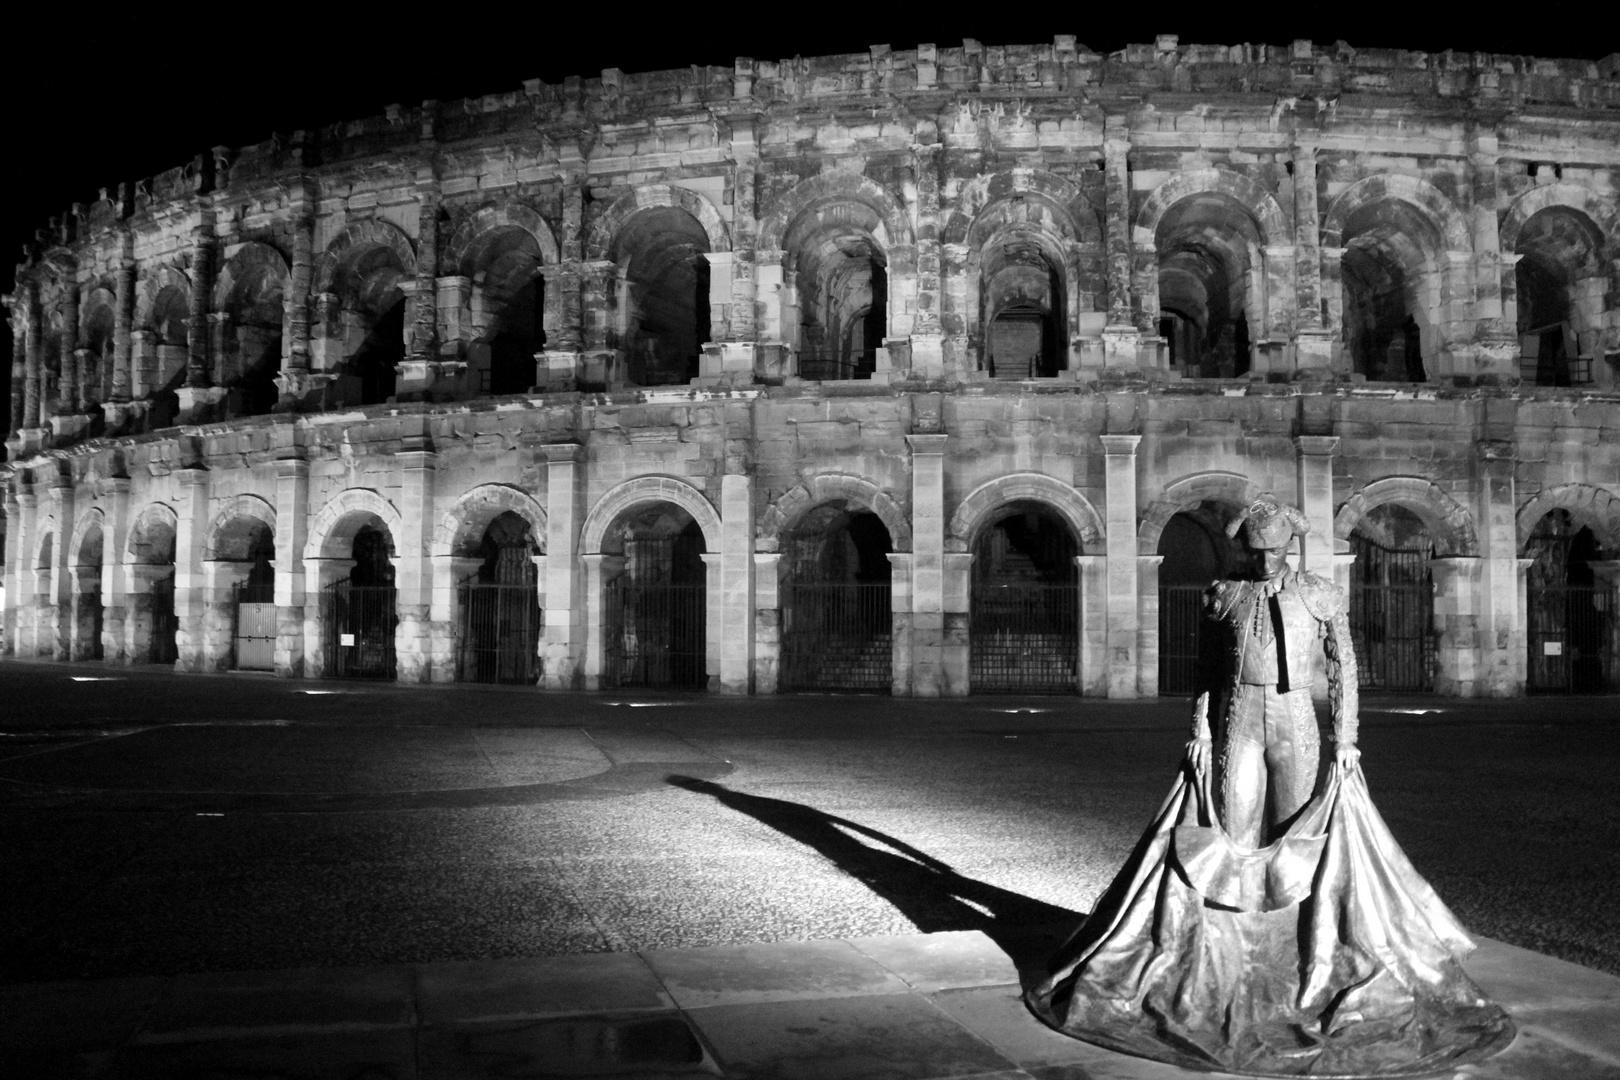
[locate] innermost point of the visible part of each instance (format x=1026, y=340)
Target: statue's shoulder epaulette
x=1220, y=598
x=1321, y=597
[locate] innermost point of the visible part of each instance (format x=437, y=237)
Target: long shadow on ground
x=923, y=889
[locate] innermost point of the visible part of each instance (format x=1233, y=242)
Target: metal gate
x=661, y=634
x=1181, y=637
x=254, y=635
x=500, y=633
x=1392, y=617
x=359, y=622
x=1574, y=648
x=1023, y=638
x=837, y=636
x=165, y=623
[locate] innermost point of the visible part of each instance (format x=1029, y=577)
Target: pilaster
x=1123, y=600
x=293, y=590
x=1457, y=625
x=928, y=563
x=736, y=583
x=1314, y=457
x=190, y=537
x=414, y=633
x=1503, y=659
x=115, y=497
x=767, y=622
x=562, y=647
x=57, y=606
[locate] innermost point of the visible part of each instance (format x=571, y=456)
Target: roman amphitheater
x=931, y=371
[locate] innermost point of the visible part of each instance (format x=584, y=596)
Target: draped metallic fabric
x=1323, y=954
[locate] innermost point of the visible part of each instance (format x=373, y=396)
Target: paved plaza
x=723, y=874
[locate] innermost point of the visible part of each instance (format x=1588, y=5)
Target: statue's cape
x=1323, y=954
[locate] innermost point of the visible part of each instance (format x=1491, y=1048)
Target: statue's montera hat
x=1268, y=524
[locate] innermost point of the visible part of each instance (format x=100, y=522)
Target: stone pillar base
x=298, y=386
x=197, y=403
x=1313, y=355
x=726, y=363
x=927, y=356
x=1120, y=347
x=557, y=369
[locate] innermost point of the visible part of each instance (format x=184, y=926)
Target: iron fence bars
x=500, y=633
x=359, y=621
x=1573, y=641
x=164, y=649
x=837, y=636
x=1392, y=617
x=1024, y=638
x=253, y=635
x=1181, y=638
x=660, y=632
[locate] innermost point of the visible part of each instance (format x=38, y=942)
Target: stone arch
x=1260, y=203
x=1604, y=214
x=45, y=544
x=332, y=530
x=461, y=528
x=974, y=512
x=1186, y=493
x=464, y=243
x=248, y=261
x=1430, y=201
x=227, y=531
x=152, y=517
x=649, y=489
x=647, y=196
x=1594, y=507
x=153, y=284
x=784, y=512
x=837, y=186
x=1009, y=183
x=356, y=237
x=1448, y=521
x=94, y=518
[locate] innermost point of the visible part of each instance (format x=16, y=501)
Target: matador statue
x=1287, y=935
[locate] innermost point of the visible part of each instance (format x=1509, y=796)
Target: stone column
x=57, y=614
x=1313, y=342
x=123, y=322
x=22, y=540
x=1093, y=607
x=1314, y=459
x=562, y=649
x=199, y=370
x=190, y=536
x=1502, y=648
x=1496, y=354
x=34, y=352
x=295, y=354
x=294, y=593
x=1147, y=634
x=927, y=563
x=220, y=578
x=420, y=369
x=599, y=571
x=900, y=610
x=414, y=583
x=1121, y=337
x=1333, y=309
x=19, y=368
x=448, y=572
x=767, y=622
x=10, y=576
x=67, y=389
x=736, y=583
x=1122, y=604
x=565, y=339
x=318, y=573
x=114, y=570
x=711, y=619
x=1456, y=625
x=743, y=325
x=927, y=332
x=955, y=654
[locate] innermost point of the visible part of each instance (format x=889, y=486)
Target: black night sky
x=93, y=106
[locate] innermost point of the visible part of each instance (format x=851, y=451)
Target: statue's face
x=1269, y=562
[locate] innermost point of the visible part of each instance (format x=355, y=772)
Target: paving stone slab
x=643, y=1046
x=952, y=958
x=458, y=992
x=781, y=971
x=308, y=1055
x=236, y=1003
x=887, y=1036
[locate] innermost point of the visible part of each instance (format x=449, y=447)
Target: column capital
x=191, y=476
x=927, y=444
x=1317, y=444
x=563, y=453
x=417, y=460
x=1120, y=445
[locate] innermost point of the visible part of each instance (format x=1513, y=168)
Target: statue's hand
x=1199, y=755
x=1347, y=756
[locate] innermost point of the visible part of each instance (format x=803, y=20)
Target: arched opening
x=655, y=600
x=1024, y=622
x=249, y=345
x=1024, y=306
x=375, y=365
x=1561, y=285
x=840, y=275
x=43, y=600
x=171, y=314
x=1210, y=262
x=88, y=615
x=368, y=320
x=1195, y=552
x=500, y=607
x=663, y=297
x=95, y=358
x=253, y=637
x=1392, y=600
x=1571, y=621
x=155, y=623
x=1391, y=291
x=837, y=614
x=505, y=266
x=359, y=611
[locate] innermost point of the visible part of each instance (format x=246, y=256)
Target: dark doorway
x=837, y=618
x=512, y=365
x=375, y=364
x=359, y=612
x=657, y=607
x=1570, y=622
x=1392, y=601
x=1024, y=626
x=254, y=635
x=500, y=608
x=1196, y=552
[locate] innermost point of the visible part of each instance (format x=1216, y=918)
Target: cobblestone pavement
x=153, y=823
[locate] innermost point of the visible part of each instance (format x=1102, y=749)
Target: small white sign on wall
x=346, y=639
x=1552, y=648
